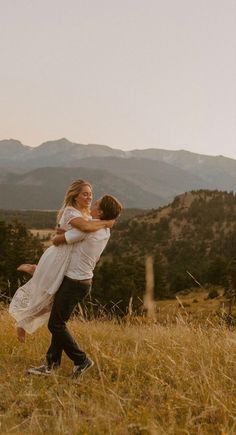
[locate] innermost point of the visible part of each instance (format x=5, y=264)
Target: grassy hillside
x=147, y=379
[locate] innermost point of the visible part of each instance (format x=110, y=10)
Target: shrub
x=213, y=294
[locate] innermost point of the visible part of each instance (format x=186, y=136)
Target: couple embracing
x=63, y=276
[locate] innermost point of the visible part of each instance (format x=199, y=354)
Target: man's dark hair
x=110, y=207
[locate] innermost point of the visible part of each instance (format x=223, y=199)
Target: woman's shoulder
x=68, y=214
x=72, y=211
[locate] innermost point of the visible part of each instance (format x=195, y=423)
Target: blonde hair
x=70, y=197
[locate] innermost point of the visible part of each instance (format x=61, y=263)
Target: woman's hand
x=109, y=224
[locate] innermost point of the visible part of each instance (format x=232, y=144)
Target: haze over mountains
x=37, y=177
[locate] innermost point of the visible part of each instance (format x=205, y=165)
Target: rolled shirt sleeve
x=74, y=235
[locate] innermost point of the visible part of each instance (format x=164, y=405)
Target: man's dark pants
x=70, y=293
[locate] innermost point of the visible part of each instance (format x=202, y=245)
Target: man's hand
x=60, y=230
x=59, y=240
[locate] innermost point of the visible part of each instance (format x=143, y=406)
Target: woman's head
x=79, y=195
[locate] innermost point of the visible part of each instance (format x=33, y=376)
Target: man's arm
x=69, y=237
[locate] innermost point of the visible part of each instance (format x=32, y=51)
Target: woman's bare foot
x=28, y=268
x=21, y=334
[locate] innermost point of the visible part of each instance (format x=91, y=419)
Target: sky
x=131, y=74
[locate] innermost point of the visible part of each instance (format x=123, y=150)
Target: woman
x=31, y=304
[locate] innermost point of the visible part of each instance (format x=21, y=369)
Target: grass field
x=194, y=307
x=148, y=378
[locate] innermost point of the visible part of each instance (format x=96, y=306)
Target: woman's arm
x=90, y=226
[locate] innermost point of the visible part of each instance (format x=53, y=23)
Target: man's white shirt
x=86, y=253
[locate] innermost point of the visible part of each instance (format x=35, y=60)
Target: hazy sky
x=125, y=73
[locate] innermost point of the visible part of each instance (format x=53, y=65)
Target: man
x=75, y=286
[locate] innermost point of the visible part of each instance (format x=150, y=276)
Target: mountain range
x=37, y=177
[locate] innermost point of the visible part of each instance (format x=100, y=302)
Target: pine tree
x=17, y=245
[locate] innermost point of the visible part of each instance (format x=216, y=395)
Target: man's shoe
x=81, y=368
x=43, y=370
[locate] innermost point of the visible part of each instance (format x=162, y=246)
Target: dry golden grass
x=148, y=379
x=194, y=307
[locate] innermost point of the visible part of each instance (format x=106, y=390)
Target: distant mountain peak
x=58, y=142
x=11, y=142
x=12, y=148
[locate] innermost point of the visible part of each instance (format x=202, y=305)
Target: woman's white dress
x=31, y=304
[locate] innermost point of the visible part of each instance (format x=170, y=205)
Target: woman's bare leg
x=28, y=268
x=20, y=334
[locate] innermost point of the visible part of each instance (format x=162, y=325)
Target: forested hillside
x=46, y=219
x=17, y=246
x=196, y=233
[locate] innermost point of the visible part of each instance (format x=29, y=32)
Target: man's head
x=106, y=208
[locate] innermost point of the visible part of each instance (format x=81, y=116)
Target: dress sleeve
x=69, y=214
